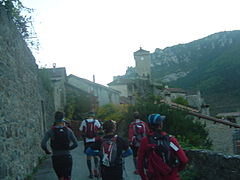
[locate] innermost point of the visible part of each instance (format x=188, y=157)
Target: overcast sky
x=99, y=36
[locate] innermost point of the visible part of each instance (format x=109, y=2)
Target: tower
x=143, y=63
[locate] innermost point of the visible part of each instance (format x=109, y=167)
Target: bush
x=78, y=104
x=189, y=173
x=112, y=111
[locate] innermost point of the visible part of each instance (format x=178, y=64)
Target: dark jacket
x=49, y=134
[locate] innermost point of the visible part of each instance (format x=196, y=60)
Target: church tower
x=143, y=63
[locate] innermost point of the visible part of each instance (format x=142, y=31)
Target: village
x=28, y=102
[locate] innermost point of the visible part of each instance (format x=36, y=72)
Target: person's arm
x=97, y=124
x=47, y=136
x=73, y=139
x=126, y=150
x=82, y=126
x=141, y=155
x=180, y=153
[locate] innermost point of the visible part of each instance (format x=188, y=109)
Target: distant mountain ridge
x=210, y=64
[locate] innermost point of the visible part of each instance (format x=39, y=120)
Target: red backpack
x=90, y=130
x=139, y=131
x=160, y=159
x=109, y=151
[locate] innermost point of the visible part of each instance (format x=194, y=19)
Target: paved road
x=80, y=172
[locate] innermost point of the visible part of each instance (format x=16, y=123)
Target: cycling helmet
x=155, y=119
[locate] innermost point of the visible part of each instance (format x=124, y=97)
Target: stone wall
x=25, y=106
x=221, y=136
x=211, y=165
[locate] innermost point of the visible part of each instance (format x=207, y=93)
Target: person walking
x=160, y=157
x=111, y=149
x=90, y=128
x=137, y=130
x=62, y=141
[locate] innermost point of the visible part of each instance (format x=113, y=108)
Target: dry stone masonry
x=25, y=107
x=211, y=165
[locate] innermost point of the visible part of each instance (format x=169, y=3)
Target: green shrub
x=189, y=173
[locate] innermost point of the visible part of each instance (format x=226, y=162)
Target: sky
x=99, y=37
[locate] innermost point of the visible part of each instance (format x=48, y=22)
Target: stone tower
x=143, y=63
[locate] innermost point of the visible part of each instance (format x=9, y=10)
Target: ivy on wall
x=23, y=19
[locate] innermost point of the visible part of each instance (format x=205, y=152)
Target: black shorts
x=62, y=165
x=110, y=173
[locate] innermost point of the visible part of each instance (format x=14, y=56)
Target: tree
x=23, y=19
x=178, y=123
x=181, y=100
x=77, y=104
x=113, y=112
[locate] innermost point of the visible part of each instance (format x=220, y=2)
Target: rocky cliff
x=210, y=64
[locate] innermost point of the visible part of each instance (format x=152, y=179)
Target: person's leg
x=89, y=165
x=135, y=161
x=96, y=173
x=56, y=163
x=67, y=167
x=89, y=158
x=135, y=150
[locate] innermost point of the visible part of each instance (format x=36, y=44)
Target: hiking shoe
x=95, y=172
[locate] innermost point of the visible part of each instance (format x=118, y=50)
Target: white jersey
x=84, y=126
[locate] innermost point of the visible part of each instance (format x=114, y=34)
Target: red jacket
x=131, y=130
x=180, y=153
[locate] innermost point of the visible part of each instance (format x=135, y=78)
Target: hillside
x=210, y=64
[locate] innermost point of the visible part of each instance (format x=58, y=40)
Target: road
x=79, y=171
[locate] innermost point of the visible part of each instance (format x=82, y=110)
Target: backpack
x=139, y=131
x=109, y=151
x=160, y=159
x=90, y=130
x=60, y=139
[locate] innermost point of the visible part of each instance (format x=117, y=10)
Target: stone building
x=136, y=81
x=58, y=79
x=26, y=106
x=221, y=135
x=143, y=63
x=172, y=93
x=124, y=86
x=130, y=89
x=104, y=95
